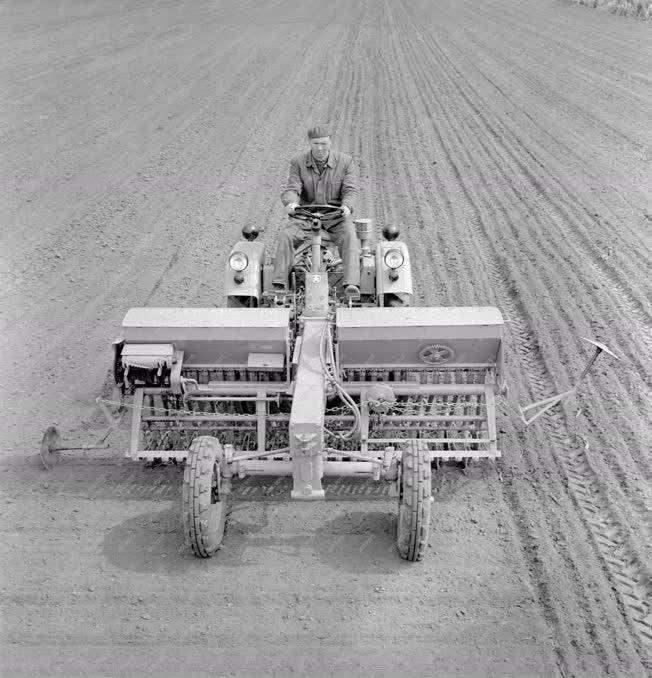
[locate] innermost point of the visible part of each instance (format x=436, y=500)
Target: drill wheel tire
x=415, y=501
x=204, y=506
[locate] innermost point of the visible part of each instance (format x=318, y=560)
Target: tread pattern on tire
x=414, y=501
x=196, y=496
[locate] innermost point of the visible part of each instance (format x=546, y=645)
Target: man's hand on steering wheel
x=323, y=211
x=326, y=210
x=326, y=214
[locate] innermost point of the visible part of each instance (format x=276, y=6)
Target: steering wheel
x=321, y=216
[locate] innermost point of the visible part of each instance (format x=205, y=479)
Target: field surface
x=510, y=140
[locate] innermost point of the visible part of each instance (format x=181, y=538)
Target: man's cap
x=318, y=131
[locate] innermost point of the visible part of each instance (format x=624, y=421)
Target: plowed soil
x=511, y=143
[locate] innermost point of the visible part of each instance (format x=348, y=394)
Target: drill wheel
x=204, y=504
x=414, y=502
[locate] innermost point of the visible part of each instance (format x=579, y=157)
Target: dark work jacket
x=335, y=186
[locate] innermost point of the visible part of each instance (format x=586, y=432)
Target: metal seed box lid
x=224, y=336
x=426, y=316
x=207, y=317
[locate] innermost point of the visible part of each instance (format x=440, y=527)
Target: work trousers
x=343, y=235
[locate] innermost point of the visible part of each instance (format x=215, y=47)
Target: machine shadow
x=154, y=542
x=100, y=479
x=149, y=542
x=356, y=541
x=360, y=542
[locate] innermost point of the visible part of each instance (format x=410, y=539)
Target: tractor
x=309, y=382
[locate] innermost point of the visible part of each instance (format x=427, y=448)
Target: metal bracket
x=51, y=444
x=542, y=406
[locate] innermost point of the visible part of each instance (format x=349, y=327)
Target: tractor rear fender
x=249, y=281
x=402, y=282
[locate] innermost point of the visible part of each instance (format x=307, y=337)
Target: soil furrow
x=640, y=459
x=570, y=456
x=516, y=152
x=390, y=133
x=635, y=355
x=554, y=616
x=541, y=269
x=462, y=58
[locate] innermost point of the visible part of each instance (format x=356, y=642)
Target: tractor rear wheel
x=414, y=501
x=204, y=506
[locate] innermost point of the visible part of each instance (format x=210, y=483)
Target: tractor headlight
x=238, y=261
x=394, y=259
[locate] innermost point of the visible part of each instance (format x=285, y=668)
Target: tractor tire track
x=629, y=572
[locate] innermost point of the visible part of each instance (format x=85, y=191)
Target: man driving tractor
x=320, y=176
